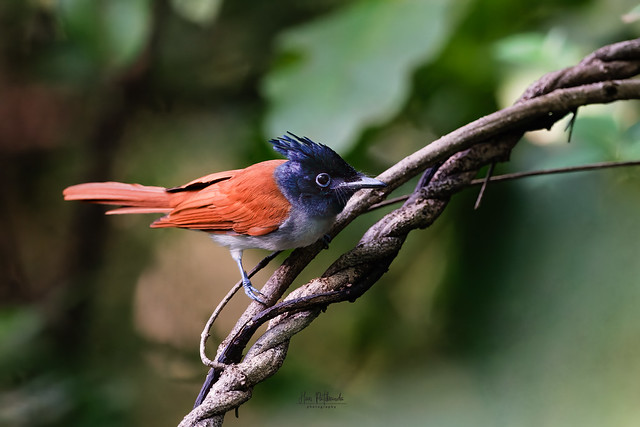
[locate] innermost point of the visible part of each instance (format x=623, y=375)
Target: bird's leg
x=251, y=292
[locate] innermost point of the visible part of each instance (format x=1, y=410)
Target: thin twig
x=571, y=125
x=567, y=169
x=519, y=175
x=207, y=327
x=485, y=181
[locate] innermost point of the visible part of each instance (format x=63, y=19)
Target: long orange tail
x=134, y=198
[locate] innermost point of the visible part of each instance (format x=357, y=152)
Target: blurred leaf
x=201, y=12
x=112, y=33
x=632, y=16
x=526, y=57
x=81, y=22
x=630, y=143
x=551, y=50
x=127, y=24
x=600, y=133
x=353, y=69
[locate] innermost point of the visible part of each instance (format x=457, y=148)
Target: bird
x=274, y=205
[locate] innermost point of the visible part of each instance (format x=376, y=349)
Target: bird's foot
x=253, y=293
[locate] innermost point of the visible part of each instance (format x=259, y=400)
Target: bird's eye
x=323, y=179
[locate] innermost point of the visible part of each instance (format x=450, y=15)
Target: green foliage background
x=522, y=313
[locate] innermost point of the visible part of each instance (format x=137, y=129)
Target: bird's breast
x=302, y=230
x=296, y=231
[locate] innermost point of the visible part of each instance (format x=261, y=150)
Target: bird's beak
x=363, y=182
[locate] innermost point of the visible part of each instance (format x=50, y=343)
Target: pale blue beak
x=363, y=182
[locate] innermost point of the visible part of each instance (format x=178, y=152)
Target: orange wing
x=247, y=202
x=205, y=181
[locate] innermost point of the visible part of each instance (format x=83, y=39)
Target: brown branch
x=599, y=78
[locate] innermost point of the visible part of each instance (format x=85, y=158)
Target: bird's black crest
x=302, y=149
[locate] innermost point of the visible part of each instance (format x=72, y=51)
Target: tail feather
x=134, y=198
x=129, y=210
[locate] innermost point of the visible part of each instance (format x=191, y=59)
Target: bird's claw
x=253, y=293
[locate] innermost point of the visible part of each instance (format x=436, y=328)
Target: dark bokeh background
x=522, y=313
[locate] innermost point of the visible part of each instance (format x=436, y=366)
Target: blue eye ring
x=323, y=180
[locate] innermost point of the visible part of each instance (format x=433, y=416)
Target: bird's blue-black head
x=316, y=178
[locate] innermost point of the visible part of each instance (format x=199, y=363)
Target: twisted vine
x=602, y=77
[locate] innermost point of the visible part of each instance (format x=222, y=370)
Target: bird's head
x=316, y=178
